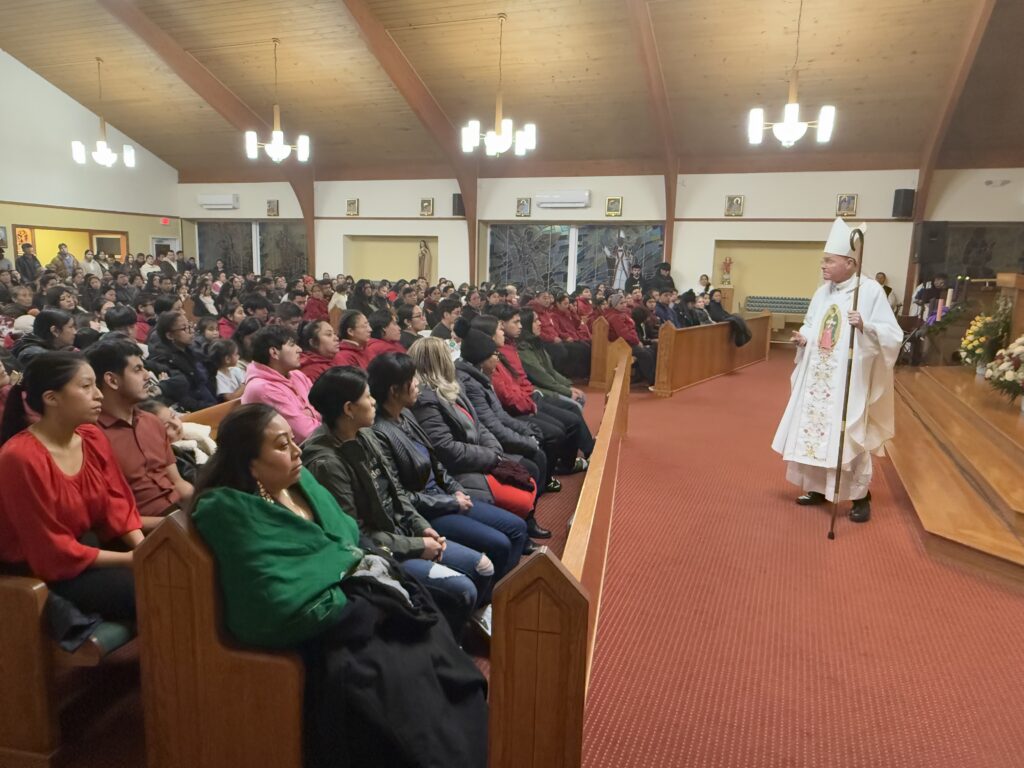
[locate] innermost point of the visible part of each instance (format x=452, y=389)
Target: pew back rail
x=208, y=702
x=688, y=356
x=546, y=616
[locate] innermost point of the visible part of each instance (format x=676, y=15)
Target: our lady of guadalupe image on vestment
x=830, y=329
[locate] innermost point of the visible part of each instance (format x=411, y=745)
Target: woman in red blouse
x=354, y=333
x=319, y=345
x=60, y=486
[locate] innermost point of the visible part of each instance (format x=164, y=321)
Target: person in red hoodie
x=566, y=416
x=145, y=316
x=353, y=334
x=551, y=341
x=316, y=305
x=583, y=306
x=385, y=335
x=574, y=334
x=228, y=323
x=622, y=326
x=319, y=345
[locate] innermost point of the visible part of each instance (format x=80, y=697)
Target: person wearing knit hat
x=477, y=347
x=808, y=435
x=621, y=325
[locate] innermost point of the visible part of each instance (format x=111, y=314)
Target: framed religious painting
x=273, y=208
x=352, y=207
x=427, y=206
x=523, y=206
x=613, y=206
x=3, y=235
x=846, y=205
x=734, y=205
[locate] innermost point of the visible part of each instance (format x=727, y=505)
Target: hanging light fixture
x=792, y=129
x=503, y=136
x=276, y=149
x=103, y=154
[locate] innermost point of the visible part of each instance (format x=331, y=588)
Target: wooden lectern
x=1012, y=285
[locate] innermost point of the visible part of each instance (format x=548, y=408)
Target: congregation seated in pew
x=386, y=682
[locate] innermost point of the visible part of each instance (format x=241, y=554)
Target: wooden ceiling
x=570, y=66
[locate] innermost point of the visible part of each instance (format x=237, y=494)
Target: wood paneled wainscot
x=545, y=618
x=688, y=356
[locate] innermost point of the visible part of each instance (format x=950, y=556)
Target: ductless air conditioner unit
x=218, y=202
x=570, y=198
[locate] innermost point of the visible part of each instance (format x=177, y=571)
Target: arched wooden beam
x=940, y=126
x=221, y=99
x=422, y=102
x=647, y=46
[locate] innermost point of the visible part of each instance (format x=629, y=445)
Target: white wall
x=643, y=197
x=786, y=198
x=963, y=195
x=252, y=200
x=390, y=208
x=35, y=153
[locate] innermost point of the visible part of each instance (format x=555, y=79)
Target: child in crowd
x=223, y=356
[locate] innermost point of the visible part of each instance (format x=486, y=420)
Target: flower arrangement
x=972, y=346
x=1006, y=371
x=985, y=335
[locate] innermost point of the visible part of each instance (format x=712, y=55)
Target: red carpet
x=733, y=633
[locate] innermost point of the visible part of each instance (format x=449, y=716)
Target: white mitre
x=838, y=243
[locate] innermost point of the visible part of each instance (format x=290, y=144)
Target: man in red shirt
x=621, y=325
x=139, y=439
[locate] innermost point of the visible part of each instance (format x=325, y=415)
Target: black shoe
x=811, y=498
x=861, y=511
x=530, y=548
x=553, y=486
x=534, y=531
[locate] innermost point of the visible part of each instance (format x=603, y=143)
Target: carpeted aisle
x=734, y=634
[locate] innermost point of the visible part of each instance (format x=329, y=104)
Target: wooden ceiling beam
x=950, y=99
x=222, y=100
x=647, y=45
x=422, y=102
x=937, y=135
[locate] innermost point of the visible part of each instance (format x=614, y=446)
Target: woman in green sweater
x=538, y=366
x=294, y=574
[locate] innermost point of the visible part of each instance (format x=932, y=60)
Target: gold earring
x=264, y=494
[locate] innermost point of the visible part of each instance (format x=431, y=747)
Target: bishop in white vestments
x=808, y=435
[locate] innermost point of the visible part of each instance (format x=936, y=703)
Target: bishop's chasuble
x=808, y=435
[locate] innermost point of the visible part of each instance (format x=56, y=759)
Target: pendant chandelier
x=276, y=149
x=792, y=129
x=503, y=136
x=103, y=154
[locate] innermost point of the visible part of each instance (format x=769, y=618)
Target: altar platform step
x=959, y=452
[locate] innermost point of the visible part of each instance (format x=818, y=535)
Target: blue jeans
x=489, y=529
x=459, y=595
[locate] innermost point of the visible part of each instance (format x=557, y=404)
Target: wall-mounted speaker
x=934, y=242
x=903, y=204
x=458, y=209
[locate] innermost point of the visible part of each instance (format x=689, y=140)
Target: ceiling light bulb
x=471, y=136
x=302, y=148
x=128, y=155
x=530, y=130
x=791, y=113
x=252, y=147
x=520, y=143
x=755, y=126
x=826, y=122
x=78, y=152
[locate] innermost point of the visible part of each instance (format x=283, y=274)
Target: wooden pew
x=604, y=355
x=546, y=615
x=31, y=668
x=212, y=416
x=688, y=356
x=208, y=702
